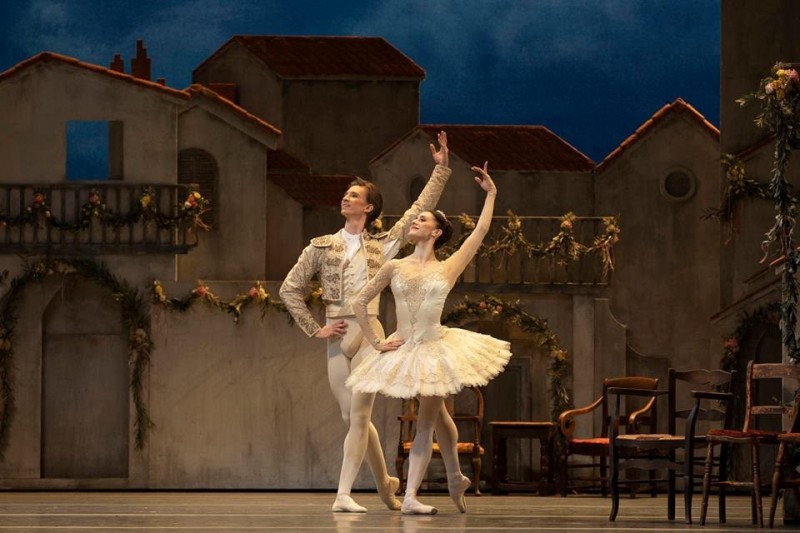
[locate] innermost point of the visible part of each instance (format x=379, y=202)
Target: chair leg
x=604, y=476
x=724, y=451
x=670, y=494
x=757, y=484
x=614, y=484
x=706, y=483
x=563, y=475
x=476, y=473
x=688, y=484
x=399, y=464
x=776, y=484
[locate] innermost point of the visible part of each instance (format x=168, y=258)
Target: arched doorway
x=85, y=402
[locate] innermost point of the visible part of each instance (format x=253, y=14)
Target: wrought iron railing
x=128, y=218
x=521, y=269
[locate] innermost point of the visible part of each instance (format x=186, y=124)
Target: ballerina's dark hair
x=443, y=224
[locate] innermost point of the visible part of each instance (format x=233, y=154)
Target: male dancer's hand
x=334, y=329
x=389, y=346
x=442, y=156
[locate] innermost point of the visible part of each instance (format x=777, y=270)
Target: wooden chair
x=469, y=441
x=749, y=435
x=785, y=475
x=598, y=446
x=658, y=451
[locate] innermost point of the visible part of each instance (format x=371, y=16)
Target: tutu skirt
x=459, y=358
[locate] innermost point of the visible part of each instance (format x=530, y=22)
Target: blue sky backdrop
x=590, y=70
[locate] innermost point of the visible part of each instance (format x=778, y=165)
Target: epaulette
x=323, y=241
x=379, y=235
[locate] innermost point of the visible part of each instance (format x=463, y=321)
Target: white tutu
x=459, y=358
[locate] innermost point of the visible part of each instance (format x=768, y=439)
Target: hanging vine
x=779, y=96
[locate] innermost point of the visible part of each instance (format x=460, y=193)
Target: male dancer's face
x=354, y=203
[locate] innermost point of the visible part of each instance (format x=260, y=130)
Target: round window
x=678, y=185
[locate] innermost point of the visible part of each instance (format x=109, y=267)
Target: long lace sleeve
x=425, y=202
x=370, y=291
x=456, y=263
x=295, y=286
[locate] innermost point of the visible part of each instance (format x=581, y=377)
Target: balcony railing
x=520, y=270
x=94, y=217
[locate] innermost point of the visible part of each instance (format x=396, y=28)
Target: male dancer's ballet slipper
x=457, y=489
x=413, y=506
x=345, y=504
x=387, y=492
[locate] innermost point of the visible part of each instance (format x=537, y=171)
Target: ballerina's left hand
x=484, y=179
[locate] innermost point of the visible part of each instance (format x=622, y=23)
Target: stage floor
x=297, y=512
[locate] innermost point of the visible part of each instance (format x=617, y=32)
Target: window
x=678, y=184
x=94, y=150
x=198, y=167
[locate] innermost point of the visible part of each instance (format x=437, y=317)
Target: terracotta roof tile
x=678, y=106
x=205, y=91
x=282, y=162
x=301, y=56
x=521, y=148
x=45, y=57
x=314, y=191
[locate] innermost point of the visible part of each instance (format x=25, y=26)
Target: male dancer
x=345, y=261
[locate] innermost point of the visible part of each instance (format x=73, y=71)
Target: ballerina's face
x=424, y=227
x=354, y=202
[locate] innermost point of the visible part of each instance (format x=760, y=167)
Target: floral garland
x=94, y=209
x=779, y=95
x=738, y=188
x=134, y=318
x=510, y=312
x=202, y=293
x=563, y=246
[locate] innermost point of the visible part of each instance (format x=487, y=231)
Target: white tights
x=432, y=415
x=355, y=407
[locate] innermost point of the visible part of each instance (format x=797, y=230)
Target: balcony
x=500, y=271
x=95, y=218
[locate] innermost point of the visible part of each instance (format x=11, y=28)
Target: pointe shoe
x=413, y=506
x=387, y=492
x=345, y=504
x=457, y=490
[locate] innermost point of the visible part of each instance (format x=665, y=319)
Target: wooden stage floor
x=299, y=511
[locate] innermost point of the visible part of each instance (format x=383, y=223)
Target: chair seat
x=652, y=440
x=733, y=435
x=600, y=441
x=461, y=447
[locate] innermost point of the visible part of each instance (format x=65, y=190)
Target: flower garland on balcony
x=493, y=308
x=779, y=96
x=563, y=247
x=134, y=316
x=189, y=211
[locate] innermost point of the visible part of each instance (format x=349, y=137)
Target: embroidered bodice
x=419, y=298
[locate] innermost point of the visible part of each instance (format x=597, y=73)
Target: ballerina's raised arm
x=456, y=263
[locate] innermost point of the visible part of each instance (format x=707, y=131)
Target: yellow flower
x=780, y=72
x=197, y=195
x=145, y=200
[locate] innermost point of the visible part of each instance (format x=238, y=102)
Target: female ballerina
x=423, y=358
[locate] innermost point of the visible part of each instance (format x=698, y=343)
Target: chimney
x=117, y=64
x=140, y=65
